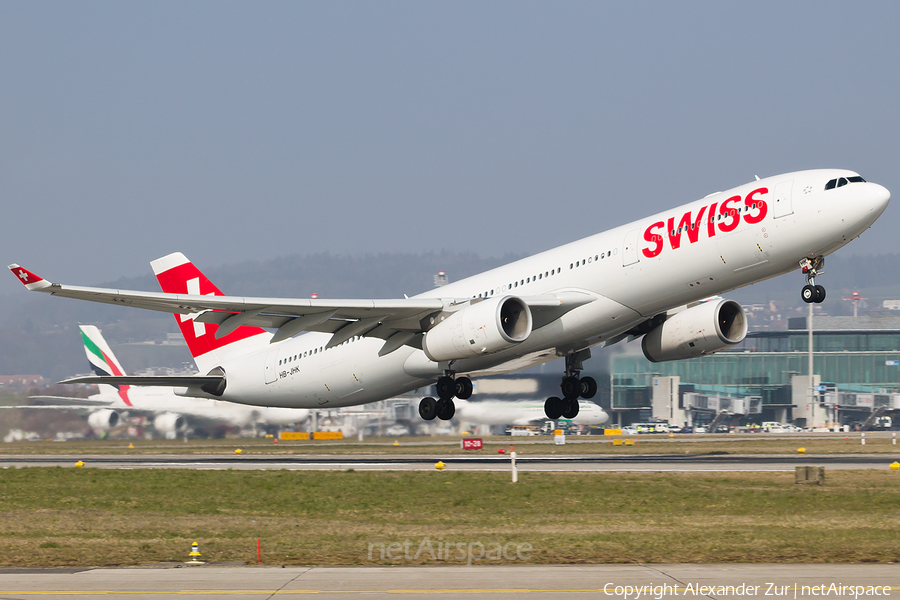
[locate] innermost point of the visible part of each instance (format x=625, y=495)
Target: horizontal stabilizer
x=212, y=384
x=50, y=406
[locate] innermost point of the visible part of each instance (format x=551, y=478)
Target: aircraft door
x=629, y=249
x=781, y=202
x=271, y=370
x=341, y=380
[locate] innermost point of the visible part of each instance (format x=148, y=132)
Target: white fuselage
x=164, y=400
x=632, y=272
x=502, y=412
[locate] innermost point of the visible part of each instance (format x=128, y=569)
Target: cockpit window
x=842, y=181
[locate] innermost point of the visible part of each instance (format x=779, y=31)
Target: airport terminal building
x=856, y=378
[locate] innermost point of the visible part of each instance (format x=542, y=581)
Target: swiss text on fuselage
x=724, y=217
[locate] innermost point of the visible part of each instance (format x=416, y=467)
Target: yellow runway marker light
x=801, y=450
x=195, y=554
x=439, y=465
x=79, y=464
x=238, y=451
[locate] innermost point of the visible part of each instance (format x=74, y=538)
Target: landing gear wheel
x=553, y=408
x=571, y=410
x=428, y=408
x=464, y=388
x=809, y=294
x=820, y=294
x=588, y=387
x=445, y=387
x=812, y=268
x=570, y=387
x=445, y=409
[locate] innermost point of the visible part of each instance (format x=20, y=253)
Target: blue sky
x=233, y=131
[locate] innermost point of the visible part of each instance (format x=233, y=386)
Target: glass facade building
x=853, y=359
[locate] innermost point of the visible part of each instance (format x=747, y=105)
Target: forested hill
x=39, y=333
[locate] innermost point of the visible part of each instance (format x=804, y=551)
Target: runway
x=615, y=582
x=524, y=463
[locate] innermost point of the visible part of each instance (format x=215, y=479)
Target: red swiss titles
x=725, y=219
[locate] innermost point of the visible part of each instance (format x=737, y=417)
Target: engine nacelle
x=169, y=423
x=481, y=328
x=103, y=420
x=697, y=331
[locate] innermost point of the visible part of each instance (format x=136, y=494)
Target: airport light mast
x=812, y=389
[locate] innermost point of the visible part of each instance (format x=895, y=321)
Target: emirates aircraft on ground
x=170, y=412
x=647, y=278
x=524, y=412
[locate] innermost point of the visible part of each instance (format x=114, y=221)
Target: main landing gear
x=572, y=388
x=812, y=267
x=447, y=387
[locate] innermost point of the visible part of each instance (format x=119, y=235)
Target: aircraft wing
x=401, y=318
x=71, y=403
x=261, y=312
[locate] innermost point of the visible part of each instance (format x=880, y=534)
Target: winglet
x=31, y=281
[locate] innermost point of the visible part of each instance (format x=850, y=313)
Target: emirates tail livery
x=648, y=278
x=170, y=411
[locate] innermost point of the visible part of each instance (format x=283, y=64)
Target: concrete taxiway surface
x=525, y=463
x=615, y=582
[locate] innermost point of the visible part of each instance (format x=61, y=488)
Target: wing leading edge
x=397, y=321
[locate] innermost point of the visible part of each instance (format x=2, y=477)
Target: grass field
x=69, y=516
x=876, y=443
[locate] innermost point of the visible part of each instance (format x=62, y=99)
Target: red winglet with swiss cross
x=31, y=281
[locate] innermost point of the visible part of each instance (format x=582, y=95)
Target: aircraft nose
x=879, y=196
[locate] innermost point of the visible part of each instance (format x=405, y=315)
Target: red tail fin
x=177, y=275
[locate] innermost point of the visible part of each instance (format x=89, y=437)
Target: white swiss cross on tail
x=177, y=275
x=193, y=288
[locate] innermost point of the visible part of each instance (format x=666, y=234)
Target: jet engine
x=483, y=327
x=103, y=420
x=169, y=423
x=697, y=331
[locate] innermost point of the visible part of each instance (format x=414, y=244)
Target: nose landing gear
x=811, y=268
x=446, y=387
x=572, y=388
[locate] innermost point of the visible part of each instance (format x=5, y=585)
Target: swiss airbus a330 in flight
x=647, y=278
